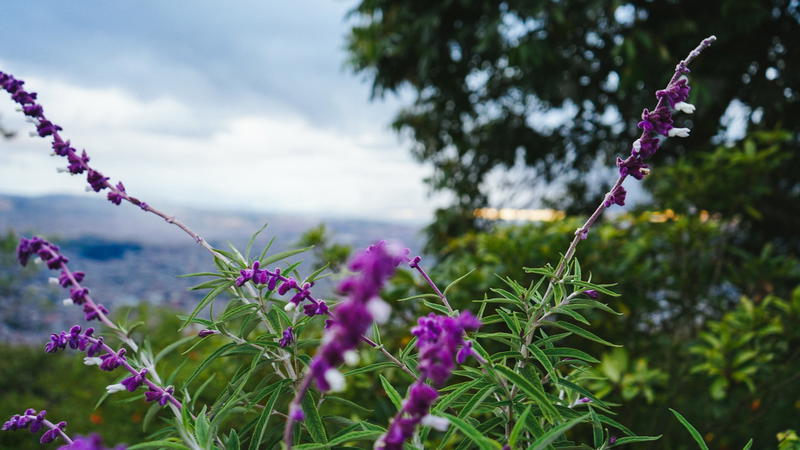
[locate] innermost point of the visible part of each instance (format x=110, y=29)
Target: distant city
x=130, y=256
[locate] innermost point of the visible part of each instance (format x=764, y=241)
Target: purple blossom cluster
x=91, y=442
x=438, y=339
x=35, y=422
x=100, y=354
x=656, y=125
x=50, y=254
x=354, y=316
x=274, y=279
x=78, y=163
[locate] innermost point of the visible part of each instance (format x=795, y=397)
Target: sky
x=245, y=105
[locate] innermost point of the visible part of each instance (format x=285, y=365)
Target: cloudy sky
x=234, y=105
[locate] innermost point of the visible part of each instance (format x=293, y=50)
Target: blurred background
x=478, y=133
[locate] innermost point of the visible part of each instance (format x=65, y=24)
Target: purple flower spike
x=355, y=315
x=438, y=337
x=617, y=196
x=288, y=337
x=112, y=360
x=33, y=110
x=91, y=442
x=51, y=434
x=115, y=196
x=133, y=382
x=660, y=120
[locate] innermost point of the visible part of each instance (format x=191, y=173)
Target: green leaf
x=633, y=439
x=749, y=444
x=692, y=430
x=534, y=393
x=544, y=361
x=283, y=255
x=580, y=332
x=202, y=429
x=391, y=392
x=206, y=300
x=450, y=286
x=554, y=433
x=164, y=443
x=369, y=368
x=209, y=359
x=233, y=441
x=313, y=421
x=564, y=352
x=473, y=434
x=519, y=427
x=263, y=419
x=355, y=436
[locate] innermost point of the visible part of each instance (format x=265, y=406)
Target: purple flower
x=617, y=196
x=288, y=337
x=115, y=196
x=632, y=166
x=612, y=440
x=112, y=360
x=591, y=293
x=61, y=148
x=78, y=295
x=77, y=164
x=65, y=281
x=296, y=413
x=207, y=332
x=91, y=442
x=660, y=120
x=133, y=382
x=33, y=110
x=46, y=128
x=51, y=434
x=24, y=98
x=159, y=395
x=91, y=312
x=438, y=338
x=96, y=180
x=676, y=92
x=354, y=316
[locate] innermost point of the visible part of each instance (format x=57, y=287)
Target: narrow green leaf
x=537, y=395
x=283, y=255
x=473, y=434
x=164, y=443
x=391, y=392
x=554, y=433
x=692, y=430
x=519, y=427
x=565, y=352
x=544, y=361
x=580, y=332
x=634, y=439
x=450, y=286
x=206, y=300
x=749, y=444
x=206, y=362
x=263, y=419
x=313, y=421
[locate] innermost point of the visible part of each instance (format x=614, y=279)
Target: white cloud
x=168, y=150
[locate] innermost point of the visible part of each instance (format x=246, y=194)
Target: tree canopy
x=556, y=87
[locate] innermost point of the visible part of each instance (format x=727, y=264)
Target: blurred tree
x=555, y=87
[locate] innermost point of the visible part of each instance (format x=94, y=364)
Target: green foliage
x=490, y=78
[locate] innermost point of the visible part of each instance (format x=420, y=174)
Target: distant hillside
x=130, y=256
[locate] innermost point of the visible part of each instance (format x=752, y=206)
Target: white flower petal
x=436, y=422
x=679, y=132
x=335, y=379
x=351, y=357
x=379, y=310
x=67, y=301
x=93, y=361
x=112, y=388
x=289, y=307
x=686, y=108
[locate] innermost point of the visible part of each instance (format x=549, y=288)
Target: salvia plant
x=496, y=376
